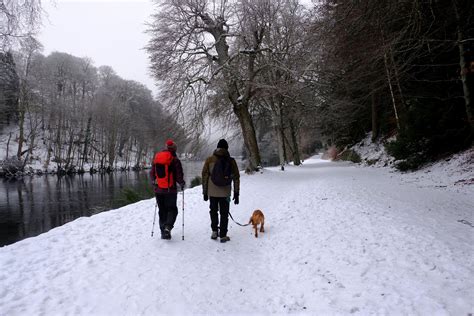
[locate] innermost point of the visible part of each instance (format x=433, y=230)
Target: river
x=36, y=204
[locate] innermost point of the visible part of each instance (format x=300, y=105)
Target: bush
x=430, y=131
x=131, y=195
x=349, y=155
x=196, y=181
x=11, y=167
x=372, y=162
x=413, y=154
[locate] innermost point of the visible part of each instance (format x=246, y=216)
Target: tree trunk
x=94, y=156
x=294, y=140
x=240, y=102
x=86, y=141
x=282, y=134
x=375, y=128
x=389, y=80
x=278, y=131
x=121, y=146
x=32, y=145
x=48, y=156
x=145, y=155
x=139, y=154
x=278, y=127
x=111, y=148
x=70, y=149
x=248, y=132
x=102, y=158
x=128, y=154
x=397, y=81
x=26, y=159
x=58, y=147
x=462, y=64
x=8, y=143
x=281, y=147
x=22, y=106
x=21, y=124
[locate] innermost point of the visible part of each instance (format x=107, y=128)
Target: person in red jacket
x=166, y=173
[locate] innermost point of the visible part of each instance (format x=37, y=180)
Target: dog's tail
x=250, y=221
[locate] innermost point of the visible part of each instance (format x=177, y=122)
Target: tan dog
x=257, y=218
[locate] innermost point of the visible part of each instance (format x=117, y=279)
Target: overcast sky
x=111, y=32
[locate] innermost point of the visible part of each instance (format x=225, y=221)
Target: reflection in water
x=34, y=205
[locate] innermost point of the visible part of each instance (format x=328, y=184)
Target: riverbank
x=339, y=239
x=42, y=160
x=13, y=167
x=35, y=204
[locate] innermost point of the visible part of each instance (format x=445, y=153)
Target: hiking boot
x=214, y=235
x=167, y=233
x=225, y=239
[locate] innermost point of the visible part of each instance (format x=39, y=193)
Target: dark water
x=36, y=204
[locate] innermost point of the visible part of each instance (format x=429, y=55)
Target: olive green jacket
x=208, y=187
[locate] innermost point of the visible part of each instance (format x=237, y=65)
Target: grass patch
x=131, y=195
x=196, y=181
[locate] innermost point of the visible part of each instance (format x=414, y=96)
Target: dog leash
x=236, y=222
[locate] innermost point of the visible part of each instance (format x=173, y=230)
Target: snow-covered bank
x=340, y=239
x=39, y=163
x=454, y=172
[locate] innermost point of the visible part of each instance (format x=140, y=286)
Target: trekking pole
x=183, y=216
x=154, y=217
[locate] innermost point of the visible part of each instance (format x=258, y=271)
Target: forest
x=81, y=114
x=290, y=77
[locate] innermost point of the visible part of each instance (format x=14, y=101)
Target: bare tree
x=81, y=114
x=200, y=46
x=9, y=89
x=393, y=68
x=18, y=19
x=30, y=47
x=462, y=18
x=282, y=82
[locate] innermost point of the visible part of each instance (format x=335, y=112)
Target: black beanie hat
x=222, y=144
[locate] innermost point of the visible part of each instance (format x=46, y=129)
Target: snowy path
x=339, y=239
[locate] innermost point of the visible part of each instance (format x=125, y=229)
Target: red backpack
x=163, y=169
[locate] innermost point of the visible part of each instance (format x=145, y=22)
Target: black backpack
x=221, y=174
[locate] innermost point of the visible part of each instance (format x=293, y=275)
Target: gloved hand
x=206, y=197
x=236, y=198
x=182, y=185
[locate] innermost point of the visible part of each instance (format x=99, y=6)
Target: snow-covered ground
x=374, y=153
x=455, y=173
x=340, y=239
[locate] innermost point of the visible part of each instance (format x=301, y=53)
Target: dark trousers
x=221, y=205
x=167, y=209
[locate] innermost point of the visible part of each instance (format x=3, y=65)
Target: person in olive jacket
x=219, y=195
